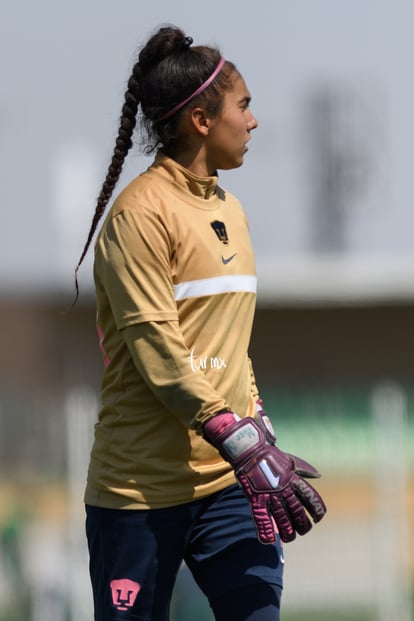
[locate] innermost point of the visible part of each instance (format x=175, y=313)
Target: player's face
x=230, y=130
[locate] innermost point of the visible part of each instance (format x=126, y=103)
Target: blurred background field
x=357, y=564
x=328, y=188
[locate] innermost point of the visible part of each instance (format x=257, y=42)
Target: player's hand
x=273, y=481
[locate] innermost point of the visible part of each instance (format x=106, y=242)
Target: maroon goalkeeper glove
x=273, y=481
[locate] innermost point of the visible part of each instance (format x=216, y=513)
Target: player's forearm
x=163, y=360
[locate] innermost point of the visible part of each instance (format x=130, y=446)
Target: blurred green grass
x=329, y=615
x=299, y=616
x=204, y=614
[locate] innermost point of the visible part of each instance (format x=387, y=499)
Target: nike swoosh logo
x=225, y=261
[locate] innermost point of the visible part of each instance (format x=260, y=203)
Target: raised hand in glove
x=273, y=481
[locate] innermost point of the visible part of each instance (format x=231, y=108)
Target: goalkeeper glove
x=273, y=481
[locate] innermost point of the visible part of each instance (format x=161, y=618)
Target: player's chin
x=235, y=162
x=240, y=162
x=240, y=159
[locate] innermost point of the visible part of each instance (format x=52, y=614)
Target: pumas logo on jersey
x=220, y=230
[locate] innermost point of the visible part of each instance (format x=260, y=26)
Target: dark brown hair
x=167, y=71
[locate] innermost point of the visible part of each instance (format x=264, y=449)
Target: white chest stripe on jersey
x=215, y=286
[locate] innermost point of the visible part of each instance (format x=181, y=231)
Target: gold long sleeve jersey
x=175, y=288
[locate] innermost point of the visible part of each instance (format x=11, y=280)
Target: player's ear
x=200, y=121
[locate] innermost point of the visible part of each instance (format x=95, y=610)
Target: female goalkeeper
x=184, y=464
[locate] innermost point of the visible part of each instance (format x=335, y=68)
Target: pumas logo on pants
x=124, y=593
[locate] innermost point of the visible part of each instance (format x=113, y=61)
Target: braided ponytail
x=123, y=144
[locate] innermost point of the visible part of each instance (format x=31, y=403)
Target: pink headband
x=197, y=92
